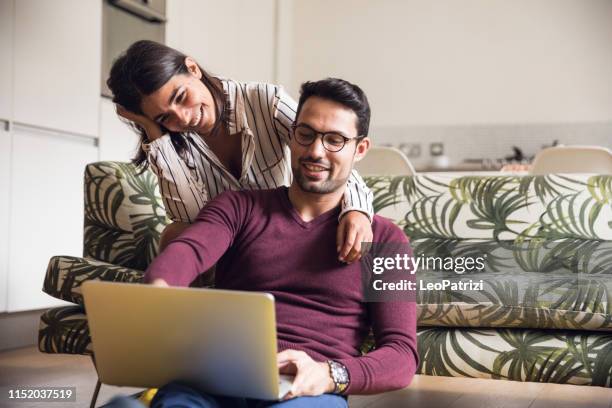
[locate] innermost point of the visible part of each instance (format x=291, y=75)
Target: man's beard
x=325, y=186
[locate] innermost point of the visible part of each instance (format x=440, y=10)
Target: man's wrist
x=330, y=385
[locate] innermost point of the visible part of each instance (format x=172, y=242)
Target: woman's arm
x=182, y=193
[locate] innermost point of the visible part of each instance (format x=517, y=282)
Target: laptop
x=221, y=342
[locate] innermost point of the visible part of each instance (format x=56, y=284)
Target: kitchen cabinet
x=6, y=51
x=46, y=204
x=5, y=149
x=57, y=58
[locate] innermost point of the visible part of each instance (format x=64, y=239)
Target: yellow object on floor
x=147, y=396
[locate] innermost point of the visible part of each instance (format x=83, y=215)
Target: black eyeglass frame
x=323, y=134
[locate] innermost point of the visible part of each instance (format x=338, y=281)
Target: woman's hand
x=355, y=227
x=311, y=377
x=152, y=129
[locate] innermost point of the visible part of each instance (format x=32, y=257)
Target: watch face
x=339, y=373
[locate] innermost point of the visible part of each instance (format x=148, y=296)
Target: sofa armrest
x=66, y=274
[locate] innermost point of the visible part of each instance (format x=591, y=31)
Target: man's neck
x=311, y=205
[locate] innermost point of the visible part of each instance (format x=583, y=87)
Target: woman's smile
x=197, y=120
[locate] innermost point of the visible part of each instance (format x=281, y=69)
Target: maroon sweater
x=262, y=244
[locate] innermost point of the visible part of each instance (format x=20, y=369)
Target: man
x=281, y=241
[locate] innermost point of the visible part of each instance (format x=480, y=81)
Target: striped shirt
x=263, y=115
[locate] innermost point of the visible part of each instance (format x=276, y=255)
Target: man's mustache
x=312, y=160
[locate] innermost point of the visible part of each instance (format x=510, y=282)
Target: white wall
x=230, y=38
x=478, y=76
x=474, y=61
x=7, y=10
x=117, y=141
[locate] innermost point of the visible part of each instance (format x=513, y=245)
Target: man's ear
x=362, y=148
x=193, y=68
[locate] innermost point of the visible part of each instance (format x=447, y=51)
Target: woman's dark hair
x=144, y=68
x=343, y=92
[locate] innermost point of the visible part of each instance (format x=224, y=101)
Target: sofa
x=542, y=315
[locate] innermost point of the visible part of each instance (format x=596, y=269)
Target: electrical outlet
x=436, y=149
x=411, y=150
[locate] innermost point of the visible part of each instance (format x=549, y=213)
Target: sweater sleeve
x=357, y=196
x=202, y=244
x=393, y=362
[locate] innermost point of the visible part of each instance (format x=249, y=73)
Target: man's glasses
x=332, y=141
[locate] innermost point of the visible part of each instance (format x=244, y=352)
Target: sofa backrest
x=536, y=223
x=124, y=214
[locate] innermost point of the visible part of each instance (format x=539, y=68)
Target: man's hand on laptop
x=311, y=377
x=160, y=282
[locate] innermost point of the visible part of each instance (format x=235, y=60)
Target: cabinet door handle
x=140, y=10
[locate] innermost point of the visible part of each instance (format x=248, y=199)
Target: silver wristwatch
x=339, y=375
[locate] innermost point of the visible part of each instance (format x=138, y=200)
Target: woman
x=204, y=135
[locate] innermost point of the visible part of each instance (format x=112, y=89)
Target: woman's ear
x=193, y=67
x=362, y=148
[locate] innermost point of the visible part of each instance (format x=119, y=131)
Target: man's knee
x=177, y=394
x=321, y=401
x=180, y=395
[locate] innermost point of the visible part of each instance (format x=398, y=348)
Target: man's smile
x=313, y=170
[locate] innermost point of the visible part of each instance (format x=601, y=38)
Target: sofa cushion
x=124, y=214
x=521, y=299
x=555, y=356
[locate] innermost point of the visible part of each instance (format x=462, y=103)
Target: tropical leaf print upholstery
x=124, y=214
x=522, y=299
x=543, y=313
x=572, y=357
x=547, y=242
x=66, y=274
x=64, y=330
x=124, y=217
x=500, y=208
x=557, y=356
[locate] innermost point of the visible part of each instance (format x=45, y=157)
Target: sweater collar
x=320, y=219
